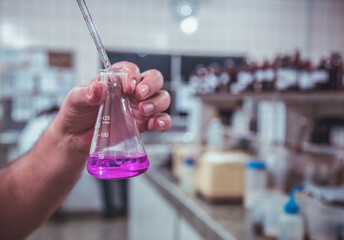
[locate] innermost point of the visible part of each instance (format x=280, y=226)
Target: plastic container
x=291, y=222
x=324, y=221
x=272, y=209
x=187, y=175
x=255, y=181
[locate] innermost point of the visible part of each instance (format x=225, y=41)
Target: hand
x=78, y=113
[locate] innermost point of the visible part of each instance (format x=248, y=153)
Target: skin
x=34, y=185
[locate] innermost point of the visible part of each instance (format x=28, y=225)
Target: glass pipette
x=94, y=33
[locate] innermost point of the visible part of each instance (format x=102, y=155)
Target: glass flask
x=116, y=150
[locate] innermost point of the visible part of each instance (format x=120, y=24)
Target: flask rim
x=113, y=70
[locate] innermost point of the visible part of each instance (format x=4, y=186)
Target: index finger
x=132, y=75
x=152, y=81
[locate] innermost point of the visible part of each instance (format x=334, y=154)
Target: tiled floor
x=85, y=228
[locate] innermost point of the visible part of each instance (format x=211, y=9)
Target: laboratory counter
x=211, y=221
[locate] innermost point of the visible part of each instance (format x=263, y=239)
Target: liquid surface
x=120, y=166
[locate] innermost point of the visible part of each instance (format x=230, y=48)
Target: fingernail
x=144, y=89
x=161, y=124
x=147, y=108
x=133, y=84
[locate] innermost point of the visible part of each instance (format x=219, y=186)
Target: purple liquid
x=117, y=167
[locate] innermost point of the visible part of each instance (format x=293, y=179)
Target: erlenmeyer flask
x=117, y=150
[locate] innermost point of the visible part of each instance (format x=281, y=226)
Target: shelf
x=291, y=97
x=321, y=149
x=305, y=147
x=299, y=106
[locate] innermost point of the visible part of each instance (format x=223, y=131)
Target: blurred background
x=257, y=108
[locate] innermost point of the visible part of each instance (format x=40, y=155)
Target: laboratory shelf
x=309, y=105
x=322, y=149
x=304, y=147
x=315, y=97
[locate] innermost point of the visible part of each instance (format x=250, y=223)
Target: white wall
x=256, y=28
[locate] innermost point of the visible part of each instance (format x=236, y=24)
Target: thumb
x=80, y=108
x=86, y=96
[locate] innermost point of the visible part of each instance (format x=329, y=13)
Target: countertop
x=213, y=221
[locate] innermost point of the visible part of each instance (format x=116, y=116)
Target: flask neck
x=113, y=82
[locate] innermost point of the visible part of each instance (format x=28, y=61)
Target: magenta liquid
x=117, y=167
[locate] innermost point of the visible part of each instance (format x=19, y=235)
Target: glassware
x=94, y=33
x=117, y=150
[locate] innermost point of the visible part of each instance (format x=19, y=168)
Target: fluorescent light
x=189, y=25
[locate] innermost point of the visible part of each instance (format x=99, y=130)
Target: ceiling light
x=186, y=10
x=189, y=25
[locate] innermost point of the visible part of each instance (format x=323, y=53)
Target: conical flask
x=116, y=150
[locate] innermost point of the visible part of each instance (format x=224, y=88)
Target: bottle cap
x=256, y=164
x=291, y=207
x=189, y=161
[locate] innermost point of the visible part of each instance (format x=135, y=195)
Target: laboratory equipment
x=291, y=221
x=187, y=175
x=220, y=176
x=94, y=33
x=273, y=208
x=215, y=134
x=116, y=150
x=255, y=181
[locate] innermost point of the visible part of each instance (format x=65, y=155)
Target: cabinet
x=187, y=232
x=151, y=217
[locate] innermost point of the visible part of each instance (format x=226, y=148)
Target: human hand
x=78, y=114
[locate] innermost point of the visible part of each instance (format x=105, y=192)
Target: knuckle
x=165, y=100
x=157, y=75
x=166, y=96
x=129, y=66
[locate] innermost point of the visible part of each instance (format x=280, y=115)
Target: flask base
x=118, y=167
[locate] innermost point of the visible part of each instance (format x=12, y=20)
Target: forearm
x=35, y=185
